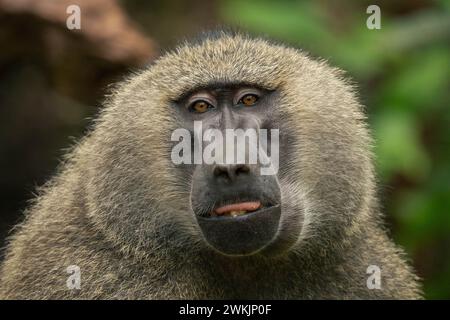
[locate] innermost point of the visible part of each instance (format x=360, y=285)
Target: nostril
x=230, y=172
x=242, y=169
x=221, y=171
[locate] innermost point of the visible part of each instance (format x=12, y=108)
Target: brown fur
x=119, y=210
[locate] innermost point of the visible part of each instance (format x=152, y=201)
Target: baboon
x=140, y=226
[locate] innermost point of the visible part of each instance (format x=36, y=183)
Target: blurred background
x=53, y=80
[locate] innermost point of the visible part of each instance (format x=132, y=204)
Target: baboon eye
x=249, y=99
x=200, y=106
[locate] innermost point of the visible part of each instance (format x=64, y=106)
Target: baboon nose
x=230, y=172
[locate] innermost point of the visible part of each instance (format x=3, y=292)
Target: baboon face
x=232, y=82
x=236, y=205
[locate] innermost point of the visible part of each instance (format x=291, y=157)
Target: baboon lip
x=228, y=216
x=239, y=207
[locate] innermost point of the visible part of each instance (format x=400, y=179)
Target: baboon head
x=316, y=195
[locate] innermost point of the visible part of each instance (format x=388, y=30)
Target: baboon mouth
x=240, y=228
x=236, y=209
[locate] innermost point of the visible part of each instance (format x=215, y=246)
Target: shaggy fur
x=120, y=210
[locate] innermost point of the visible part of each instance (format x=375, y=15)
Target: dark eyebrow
x=212, y=86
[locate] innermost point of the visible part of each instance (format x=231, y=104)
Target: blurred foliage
x=403, y=71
